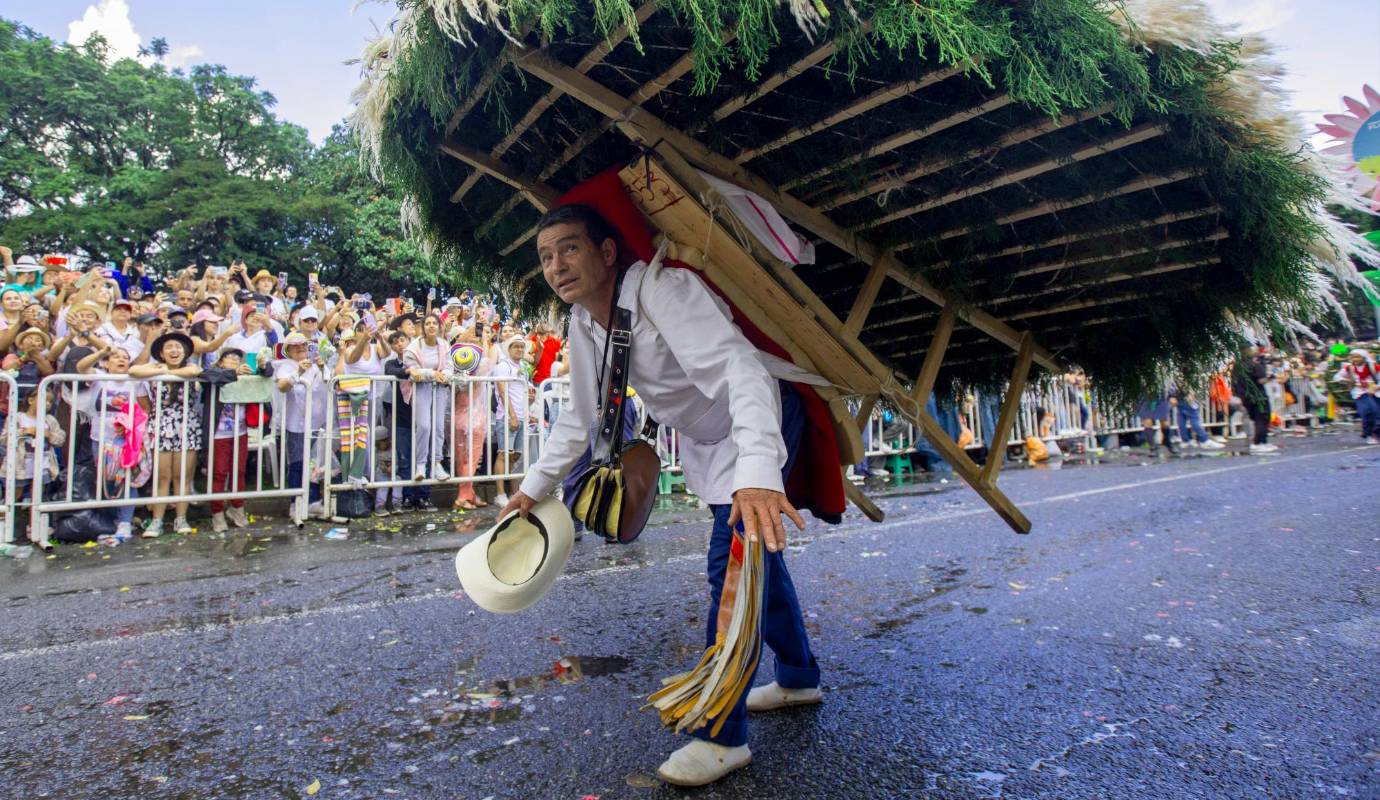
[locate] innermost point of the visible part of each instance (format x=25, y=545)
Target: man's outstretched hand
x=520, y=503
x=760, y=511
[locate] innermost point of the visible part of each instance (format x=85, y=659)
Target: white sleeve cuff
x=757, y=472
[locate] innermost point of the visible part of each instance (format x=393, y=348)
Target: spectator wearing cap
x=150, y=328
x=120, y=331
x=208, y=337
x=302, y=391
x=254, y=334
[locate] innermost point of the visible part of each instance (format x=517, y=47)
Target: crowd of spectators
x=127, y=332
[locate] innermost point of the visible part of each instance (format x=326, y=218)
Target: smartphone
x=361, y=305
x=311, y=279
x=282, y=281
x=251, y=360
x=262, y=307
x=371, y=323
x=431, y=293
x=313, y=350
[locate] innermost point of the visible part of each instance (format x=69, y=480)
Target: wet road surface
x=1198, y=627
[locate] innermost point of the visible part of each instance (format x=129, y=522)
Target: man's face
x=120, y=314
x=85, y=320
x=185, y=298
x=399, y=344
x=309, y=325
x=578, y=270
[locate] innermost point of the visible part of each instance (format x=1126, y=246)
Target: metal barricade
x=11, y=449
x=464, y=408
x=96, y=413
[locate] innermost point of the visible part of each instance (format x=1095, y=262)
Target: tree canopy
x=108, y=158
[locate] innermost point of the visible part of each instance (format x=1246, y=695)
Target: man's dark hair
x=596, y=226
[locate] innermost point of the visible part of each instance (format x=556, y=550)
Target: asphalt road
x=1197, y=627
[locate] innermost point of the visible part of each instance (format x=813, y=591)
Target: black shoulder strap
x=608, y=439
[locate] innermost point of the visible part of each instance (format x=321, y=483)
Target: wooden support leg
x=970, y=472
x=865, y=412
x=1009, y=406
x=934, y=354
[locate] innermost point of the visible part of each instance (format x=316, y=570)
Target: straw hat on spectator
x=261, y=275
x=27, y=264
x=94, y=308
x=31, y=332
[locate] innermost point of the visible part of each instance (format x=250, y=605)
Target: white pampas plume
x=810, y=16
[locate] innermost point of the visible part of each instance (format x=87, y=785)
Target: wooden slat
x=591, y=58
x=902, y=139
x=1055, y=266
x=880, y=181
x=1010, y=404
x=642, y=126
x=1076, y=305
x=538, y=193
x=867, y=295
x=1075, y=238
x=1055, y=206
x=860, y=106
x=645, y=92
x=1116, y=277
x=772, y=82
x=1133, y=137
x=934, y=354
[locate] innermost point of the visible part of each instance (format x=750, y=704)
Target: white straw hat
x=513, y=564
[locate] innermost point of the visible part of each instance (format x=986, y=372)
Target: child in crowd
x=230, y=451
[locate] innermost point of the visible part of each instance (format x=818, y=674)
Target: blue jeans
x=1368, y=409
x=402, y=459
x=297, y=458
x=1191, y=417
x=782, y=627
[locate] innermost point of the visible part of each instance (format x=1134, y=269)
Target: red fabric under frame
x=816, y=481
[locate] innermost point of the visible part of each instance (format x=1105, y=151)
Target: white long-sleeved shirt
x=695, y=371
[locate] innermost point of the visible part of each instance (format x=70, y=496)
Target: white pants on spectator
x=429, y=404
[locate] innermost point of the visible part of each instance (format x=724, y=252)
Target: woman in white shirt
x=429, y=354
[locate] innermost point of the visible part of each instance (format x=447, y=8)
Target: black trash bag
x=354, y=503
x=79, y=527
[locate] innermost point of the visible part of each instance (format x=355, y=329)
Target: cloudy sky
x=297, y=48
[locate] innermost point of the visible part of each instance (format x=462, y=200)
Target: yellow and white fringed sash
x=706, y=694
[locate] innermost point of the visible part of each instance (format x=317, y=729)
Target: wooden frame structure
x=955, y=225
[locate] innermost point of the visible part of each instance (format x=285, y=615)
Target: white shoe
x=438, y=473
x=182, y=526
x=1263, y=449
x=316, y=510
x=1372, y=440
x=500, y=500
x=771, y=697
x=700, y=762
x=1211, y=444
x=122, y=532
x=879, y=473
x=154, y=529
x=237, y=516
x=218, y=522
x=419, y=474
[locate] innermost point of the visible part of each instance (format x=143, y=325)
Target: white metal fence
x=463, y=423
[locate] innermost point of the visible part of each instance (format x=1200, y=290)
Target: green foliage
x=122, y=159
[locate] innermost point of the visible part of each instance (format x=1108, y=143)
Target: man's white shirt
x=695, y=372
